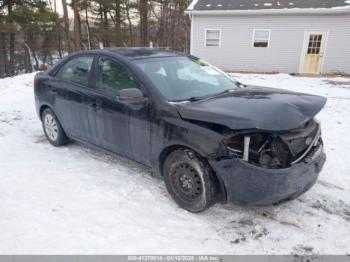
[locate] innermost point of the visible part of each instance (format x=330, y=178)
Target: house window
x=261, y=38
x=212, y=37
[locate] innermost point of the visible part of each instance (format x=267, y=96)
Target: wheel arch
x=41, y=110
x=171, y=148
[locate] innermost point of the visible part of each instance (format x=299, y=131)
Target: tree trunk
x=143, y=9
x=162, y=24
x=87, y=27
x=27, y=62
x=3, y=58
x=127, y=9
x=118, y=22
x=36, y=60
x=77, y=26
x=174, y=27
x=50, y=57
x=12, y=42
x=59, y=40
x=105, y=27
x=66, y=25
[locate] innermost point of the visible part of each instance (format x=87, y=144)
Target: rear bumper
x=247, y=184
x=37, y=105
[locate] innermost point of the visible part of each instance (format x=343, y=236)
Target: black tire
x=190, y=181
x=55, y=135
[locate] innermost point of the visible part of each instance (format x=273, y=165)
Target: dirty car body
x=263, y=144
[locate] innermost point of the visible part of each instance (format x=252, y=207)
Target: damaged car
x=211, y=138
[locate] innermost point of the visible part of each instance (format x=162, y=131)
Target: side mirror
x=131, y=95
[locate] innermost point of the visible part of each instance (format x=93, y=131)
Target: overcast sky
x=59, y=7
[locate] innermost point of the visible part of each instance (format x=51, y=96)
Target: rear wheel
x=190, y=181
x=53, y=129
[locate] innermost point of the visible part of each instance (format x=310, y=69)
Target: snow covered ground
x=75, y=200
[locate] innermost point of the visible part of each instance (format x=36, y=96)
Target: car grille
x=299, y=140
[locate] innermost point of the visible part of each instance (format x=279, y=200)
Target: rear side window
x=77, y=70
x=112, y=77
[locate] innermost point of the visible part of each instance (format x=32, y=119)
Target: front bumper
x=247, y=184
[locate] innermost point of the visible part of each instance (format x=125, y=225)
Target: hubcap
x=51, y=127
x=186, y=182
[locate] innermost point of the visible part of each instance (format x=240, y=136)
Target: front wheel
x=53, y=129
x=190, y=181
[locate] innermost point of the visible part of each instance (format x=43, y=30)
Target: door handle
x=96, y=105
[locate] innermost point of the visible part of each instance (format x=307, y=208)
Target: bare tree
x=77, y=25
x=87, y=26
x=3, y=55
x=143, y=9
x=172, y=26
x=12, y=39
x=66, y=25
x=128, y=17
x=111, y=22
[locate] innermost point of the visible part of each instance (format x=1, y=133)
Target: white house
x=291, y=36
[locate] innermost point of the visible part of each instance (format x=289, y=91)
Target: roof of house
x=255, y=5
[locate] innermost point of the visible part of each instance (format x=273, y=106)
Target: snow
x=343, y=7
x=291, y=7
x=76, y=200
x=192, y=5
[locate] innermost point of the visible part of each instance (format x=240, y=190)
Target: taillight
x=35, y=82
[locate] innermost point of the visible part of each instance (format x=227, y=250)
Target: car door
x=72, y=100
x=123, y=127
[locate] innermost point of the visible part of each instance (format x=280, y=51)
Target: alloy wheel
x=51, y=127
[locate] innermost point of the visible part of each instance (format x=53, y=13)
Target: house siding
x=236, y=52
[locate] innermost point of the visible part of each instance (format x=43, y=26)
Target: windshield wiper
x=198, y=98
x=224, y=92
x=191, y=99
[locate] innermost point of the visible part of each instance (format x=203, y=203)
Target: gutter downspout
x=192, y=26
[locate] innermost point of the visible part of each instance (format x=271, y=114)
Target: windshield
x=181, y=78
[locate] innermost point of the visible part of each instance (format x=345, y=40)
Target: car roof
x=133, y=53
x=127, y=53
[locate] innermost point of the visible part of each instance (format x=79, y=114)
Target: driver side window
x=112, y=77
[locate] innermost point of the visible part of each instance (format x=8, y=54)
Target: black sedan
x=210, y=137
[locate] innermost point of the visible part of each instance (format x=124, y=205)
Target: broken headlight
x=263, y=149
x=276, y=149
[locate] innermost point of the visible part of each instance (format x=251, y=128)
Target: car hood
x=255, y=107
